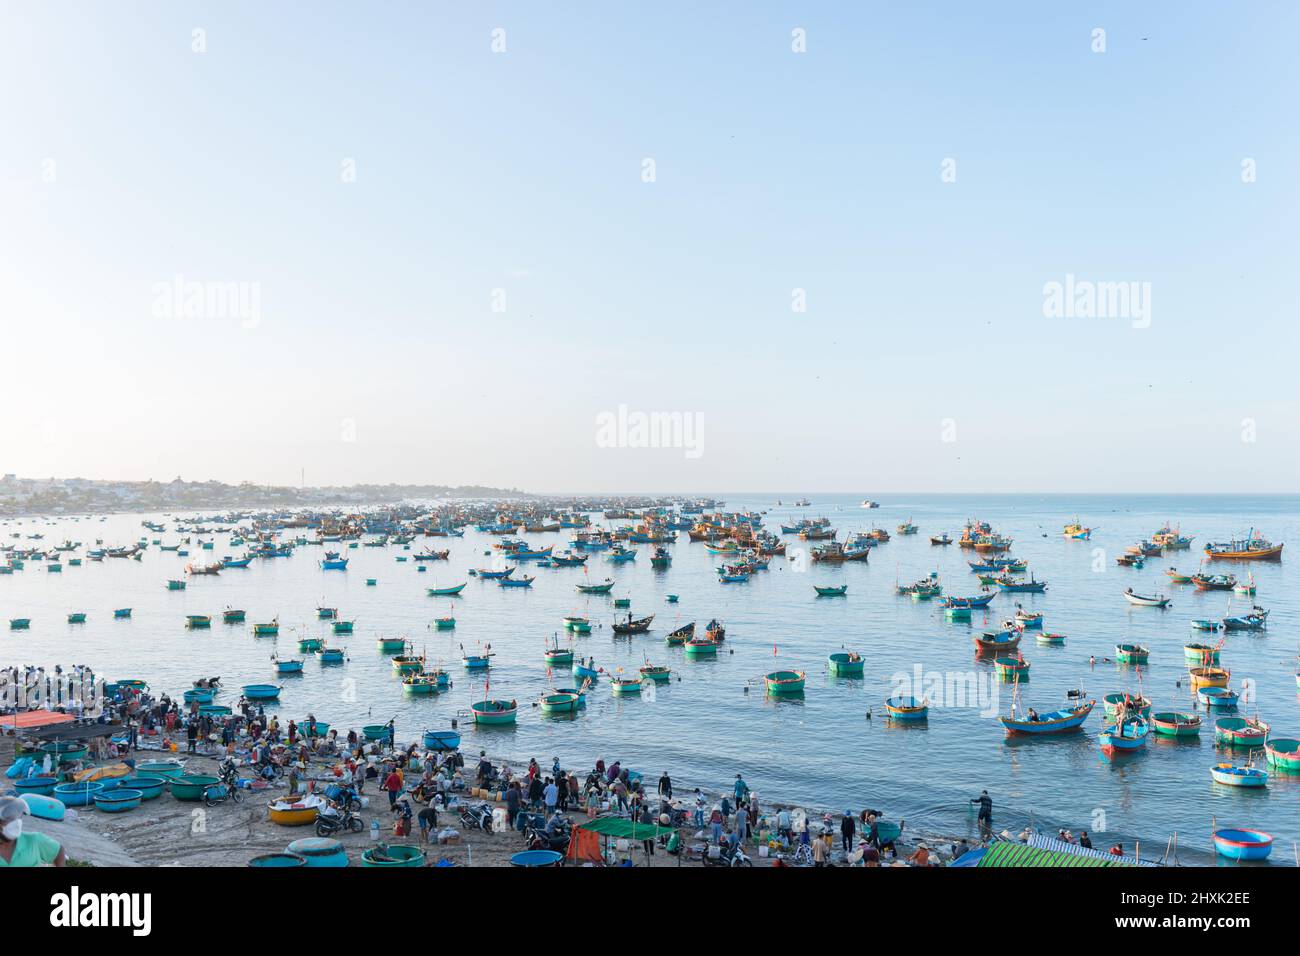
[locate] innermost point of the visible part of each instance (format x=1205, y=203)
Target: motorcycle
x=539, y=839
x=726, y=856
x=227, y=789
x=477, y=818
x=333, y=819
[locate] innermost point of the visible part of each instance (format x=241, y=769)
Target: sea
x=831, y=749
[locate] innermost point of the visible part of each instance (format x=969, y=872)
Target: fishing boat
x=1132, y=654
x=1209, y=675
x=681, y=635
x=1233, y=776
x=940, y=539
x=1241, y=731
x=1214, y=582
x=639, y=626
x=524, y=582
x=1256, y=620
x=77, y=617
x=657, y=673
x=289, y=814
x=1217, y=698
x=330, y=655
x=1131, y=561
x=421, y=684
x=198, y=621
x=1031, y=586
x=391, y=643
x=619, y=554
x=446, y=592
x=660, y=559
x=996, y=642
x=342, y=627
x=1176, y=578
x=232, y=616
x=408, y=663
x=1172, y=724
x=477, y=662
x=715, y=632
x=560, y=702
x=1200, y=654
x=1129, y=736
x=231, y=562
x=845, y=664
x=622, y=602
x=969, y=603
x=906, y=528
x=494, y=712
x=1250, y=548
x=701, y=648
x=444, y=623
x=621, y=685
x=1114, y=703
x=334, y=564
x=261, y=691
x=603, y=588
x=176, y=585
x=1246, y=588
x=1012, y=668
x=432, y=555
x=784, y=683
x=1049, y=638
x=285, y=667
x=441, y=740
x=1141, y=600
x=1054, y=722
x=583, y=672
x=1238, y=844
x=270, y=629
x=557, y=656
x=840, y=591
x=122, y=613
x=1204, y=624
x=327, y=613
x=491, y=575
x=1283, y=753
x=907, y=709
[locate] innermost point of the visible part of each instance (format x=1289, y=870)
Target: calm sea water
x=712, y=721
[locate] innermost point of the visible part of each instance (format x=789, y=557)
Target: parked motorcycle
x=334, y=819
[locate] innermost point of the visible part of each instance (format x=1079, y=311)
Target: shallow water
x=712, y=720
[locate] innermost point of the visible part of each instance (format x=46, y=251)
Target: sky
x=461, y=237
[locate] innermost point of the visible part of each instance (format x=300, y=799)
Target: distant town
x=37, y=496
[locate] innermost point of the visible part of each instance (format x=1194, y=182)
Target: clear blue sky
x=775, y=171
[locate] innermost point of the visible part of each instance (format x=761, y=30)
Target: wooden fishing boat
x=490, y=575
x=698, y=648
x=1029, y=619
x=261, y=691
x=1251, y=548
x=1283, y=753
x=715, y=632
x=996, y=642
x=270, y=629
x=840, y=591
x=1158, y=600
x=558, y=656
x=1176, y=578
x=421, y=684
x=1113, y=703
x=198, y=621
x=639, y=626
x=621, y=685
x=1132, y=654
x=408, y=663
x=603, y=588
x=1128, y=737
x=327, y=613
x=477, y=662
x=1233, y=776
x=583, y=672
x=1031, y=586
x=680, y=636
x=1214, y=582
x=494, y=712
x=432, y=555
x=330, y=655
x=1257, y=620
x=784, y=683
x=1049, y=638
x=845, y=664
x=906, y=528
x=1241, y=731
x=77, y=617
x=659, y=674
x=342, y=627
x=232, y=616
x=1172, y=724
x=969, y=603
x=940, y=539
x=1131, y=561
x=1012, y=668
x=446, y=592
x=1208, y=675
x=176, y=585
x=1205, y=625
x=1054, y=722
x=1217, y=698
x=334, y=564
x=622, y=602
x=444, y=623
x=391, y=643
x=1239, y=844
x=559, y=703
x=1203, y=654
x=907, y=709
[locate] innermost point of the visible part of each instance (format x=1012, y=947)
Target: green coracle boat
x=394, y=856
x=784, y=683
x=1172, y=724
x=658, y=674
x=846, y=664
x=1132, y=654
x=494, y=712
x=561, y=702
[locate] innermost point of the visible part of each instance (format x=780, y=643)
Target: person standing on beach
x=551, y=794
x=666, y=786
x=742, y=824
x=848, y=827
x=985, y=816
x=740, y=789
x=393, y=784
x=699, y=808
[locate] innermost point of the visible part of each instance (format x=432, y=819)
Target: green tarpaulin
x=1018, y=854
x=621, y=827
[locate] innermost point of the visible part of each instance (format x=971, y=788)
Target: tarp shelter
x=34, y=718
x=70, y=731
x=584, y=845
x=1051, y=843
